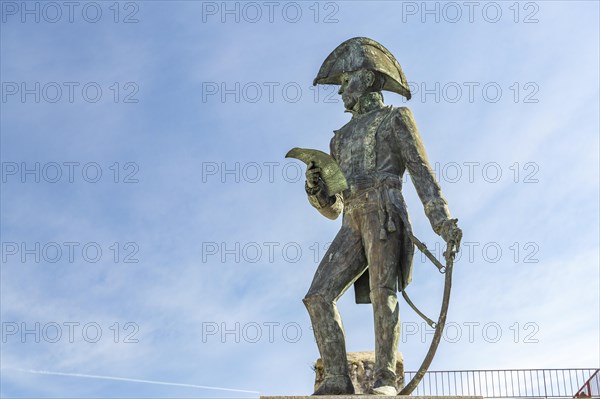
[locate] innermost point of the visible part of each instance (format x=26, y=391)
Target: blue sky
x=216, y=243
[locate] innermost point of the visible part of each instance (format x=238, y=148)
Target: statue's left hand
x=313, y=175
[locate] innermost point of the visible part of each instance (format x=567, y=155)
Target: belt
x=381, y=183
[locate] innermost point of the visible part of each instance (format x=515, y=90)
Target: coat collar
x=366, y=103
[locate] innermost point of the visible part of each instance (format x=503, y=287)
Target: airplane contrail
x=106, y=377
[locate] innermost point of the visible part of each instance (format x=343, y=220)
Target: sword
x=452, y=248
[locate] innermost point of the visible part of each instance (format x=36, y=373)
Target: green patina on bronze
x=331, y=174
x=374, y=248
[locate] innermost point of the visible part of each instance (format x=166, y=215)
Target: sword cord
x=417, y=311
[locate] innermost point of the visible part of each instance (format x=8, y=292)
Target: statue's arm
x=328, y=205
x=415, y=158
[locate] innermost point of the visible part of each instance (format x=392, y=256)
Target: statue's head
x=354, y=84
x=362, y=64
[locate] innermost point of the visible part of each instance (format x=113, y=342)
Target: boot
x=387, y=333
x=329, y=334
x=335, y=385
x=385, y=384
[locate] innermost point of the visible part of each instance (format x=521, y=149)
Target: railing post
x=544, y=378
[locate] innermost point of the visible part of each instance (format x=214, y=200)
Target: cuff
x=438, y=213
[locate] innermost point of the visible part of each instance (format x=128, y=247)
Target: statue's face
x=354, y=85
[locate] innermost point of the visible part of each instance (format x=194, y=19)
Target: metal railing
x=522, y=383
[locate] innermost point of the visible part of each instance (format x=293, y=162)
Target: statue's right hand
x=313, y=173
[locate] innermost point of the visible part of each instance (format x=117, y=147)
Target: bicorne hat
x=363, y=53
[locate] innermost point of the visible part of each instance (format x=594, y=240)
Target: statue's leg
x=342, y=264
x=383, y=257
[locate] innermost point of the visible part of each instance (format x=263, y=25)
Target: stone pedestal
x=362, y=367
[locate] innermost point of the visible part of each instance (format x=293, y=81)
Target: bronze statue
x=373, y=249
